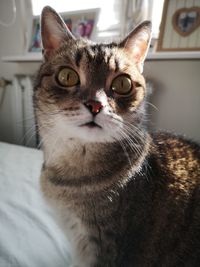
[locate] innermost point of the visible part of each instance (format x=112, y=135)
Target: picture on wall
x=80, y=23
x=180, y=26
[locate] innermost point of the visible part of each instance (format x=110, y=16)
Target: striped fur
x=123, y=196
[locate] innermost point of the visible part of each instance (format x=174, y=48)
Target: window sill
x=37, y=57
x=174, y=55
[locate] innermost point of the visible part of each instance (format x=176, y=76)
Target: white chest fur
x=83, y=251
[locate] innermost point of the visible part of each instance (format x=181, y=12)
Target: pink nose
x=94, y=106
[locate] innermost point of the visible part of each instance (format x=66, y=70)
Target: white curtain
x=127, y=13
x=134, y=12
x=116, y=18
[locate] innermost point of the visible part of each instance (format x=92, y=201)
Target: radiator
x=24, y=126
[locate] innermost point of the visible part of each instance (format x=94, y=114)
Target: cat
x=125, y=197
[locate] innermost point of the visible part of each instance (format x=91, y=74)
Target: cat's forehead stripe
x=78, y=57
x=100, y=54
x=116, y=65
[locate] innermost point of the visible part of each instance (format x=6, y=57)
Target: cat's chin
x=91, y=125
x=93, y=133
x=100, y=130
x=97, y=132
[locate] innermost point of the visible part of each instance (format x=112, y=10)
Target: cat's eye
x=122, y=85
x=67, y=77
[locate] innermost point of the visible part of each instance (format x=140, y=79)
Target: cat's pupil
x=122, y=84
x=68, y=77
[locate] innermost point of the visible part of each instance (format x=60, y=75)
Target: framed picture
x=180, y=26
x=81, y=23
x=35, y=45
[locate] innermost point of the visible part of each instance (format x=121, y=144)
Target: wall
x=13, y=41
x=176, y=94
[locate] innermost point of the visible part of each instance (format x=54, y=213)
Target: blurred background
x=171, y=68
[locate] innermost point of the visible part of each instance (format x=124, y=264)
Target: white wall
x=13, y=41
x=177, y=94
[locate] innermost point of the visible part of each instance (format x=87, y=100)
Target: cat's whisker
x=132, y=131
x=25, y=120
x=152, y=105
x=124, y=148
x=133, y=137
x=132, y=145
x=130, y=140
x=30, y=137
x=32, y=128
x=40, y=143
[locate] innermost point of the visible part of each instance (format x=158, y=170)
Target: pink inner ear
x=137, y=54
x=54, y=43
x=139, y=50
x=53, y=31
x=137, y=45
x=51, y=42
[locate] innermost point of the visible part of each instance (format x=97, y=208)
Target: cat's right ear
x=53, y=31
x=137, y=43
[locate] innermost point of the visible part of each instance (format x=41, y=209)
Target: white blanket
x=29, y=236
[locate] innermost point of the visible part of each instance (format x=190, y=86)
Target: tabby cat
x=123, y=196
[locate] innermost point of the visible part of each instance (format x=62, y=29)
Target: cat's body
x=124, y=197
x=151, y=219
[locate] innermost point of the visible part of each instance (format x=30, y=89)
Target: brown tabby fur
x=139, y=207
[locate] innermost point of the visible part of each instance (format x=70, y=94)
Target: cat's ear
x=53, y=30
x=137, y=43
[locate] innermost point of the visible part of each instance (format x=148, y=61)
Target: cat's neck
x=93, y=166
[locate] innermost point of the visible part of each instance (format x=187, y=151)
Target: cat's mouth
x=91, y=124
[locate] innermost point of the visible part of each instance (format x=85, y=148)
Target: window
x=112, y=15
x=156, y=16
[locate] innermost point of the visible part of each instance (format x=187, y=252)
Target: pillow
x=29, y=236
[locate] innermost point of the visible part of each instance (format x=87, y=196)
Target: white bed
x=29, y=236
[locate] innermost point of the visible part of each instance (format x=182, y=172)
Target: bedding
x=29, y=236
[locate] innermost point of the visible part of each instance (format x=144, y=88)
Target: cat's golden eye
x=122, y=85
x=67, y=77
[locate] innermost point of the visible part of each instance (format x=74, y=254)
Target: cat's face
x=86, y=91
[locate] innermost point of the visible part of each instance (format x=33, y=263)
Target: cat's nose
x=93, y=106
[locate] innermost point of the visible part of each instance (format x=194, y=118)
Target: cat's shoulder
x=178, y=143
x=177, y=153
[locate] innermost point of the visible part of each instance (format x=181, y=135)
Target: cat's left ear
x=137, y=43
x=53, y=30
